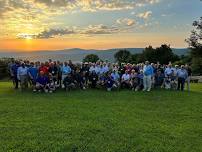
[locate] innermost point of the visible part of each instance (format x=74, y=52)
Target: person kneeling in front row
x=42, y=83
x=69, y=82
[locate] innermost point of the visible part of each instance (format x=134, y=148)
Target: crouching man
x=42, y=83
x=109, y=82
x=69, y=82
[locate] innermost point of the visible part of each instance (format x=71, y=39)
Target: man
x=189, y=72
x=14, y=72
x=51, y=85
x=85, y=71
x=134, y=80
x=66, y=70
x=116, y=77
x=159, y=79
x=22, y=75
x=32, y=73
x=80, y=79
x=42, y=82
x=168, y=70
x=93, y=78
x=69, y=82
x=182, y=76
x=53, y=70
x=173, y=78
x=125, y=80
x=140, y=81
x=44, y=68
x=109, y=82
x=148, y=73
x=92, y=68
x=10, y=65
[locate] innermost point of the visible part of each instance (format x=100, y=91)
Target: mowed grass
x=96, y=120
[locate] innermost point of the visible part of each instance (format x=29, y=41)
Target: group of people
x=53, y=75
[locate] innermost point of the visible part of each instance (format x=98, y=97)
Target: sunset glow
x=33, y=25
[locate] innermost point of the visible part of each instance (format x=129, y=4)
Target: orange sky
x=104, y=42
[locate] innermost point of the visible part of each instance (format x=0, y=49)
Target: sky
x=33, y=25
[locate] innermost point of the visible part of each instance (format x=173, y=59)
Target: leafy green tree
x=4, y=71
x=149, y=54
x=123, y=56
x=91, y=58
x=195, y=45
x=162, y=54
x=137, y=58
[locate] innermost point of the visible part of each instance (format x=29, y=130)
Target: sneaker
x=148, y=90
x=108, y=89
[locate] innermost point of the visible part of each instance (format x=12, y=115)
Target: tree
x=4, y=71
x=149, y=54
x=195, y=45
x=162, y=54
x=123, y=56
x=91, y=58
x=137, y=58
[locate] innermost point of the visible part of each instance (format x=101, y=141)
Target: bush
x=4, y=71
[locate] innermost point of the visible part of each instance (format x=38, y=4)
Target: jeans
x=181, y=82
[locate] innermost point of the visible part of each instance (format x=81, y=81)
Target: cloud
x=51, y=33
x=59, y=32
x=145, y=15
x=126, y=21
x=99, y=29
x=96, y=5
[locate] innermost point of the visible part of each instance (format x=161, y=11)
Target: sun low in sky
x=32, y=25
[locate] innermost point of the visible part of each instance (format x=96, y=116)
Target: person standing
x=182, y=76
x=22, y=75
x=65, y=70
x=14, y=70
x=189, y=72
x=147, y=79
x=33, y=74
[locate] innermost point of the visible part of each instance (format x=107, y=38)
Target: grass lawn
x=96, y=120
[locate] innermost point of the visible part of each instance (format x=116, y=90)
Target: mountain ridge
x=77, y=54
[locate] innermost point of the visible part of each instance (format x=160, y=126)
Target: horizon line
x=53, y=50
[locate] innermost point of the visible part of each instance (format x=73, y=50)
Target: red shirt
x=44, y=69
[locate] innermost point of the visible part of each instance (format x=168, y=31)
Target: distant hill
x=76, y=54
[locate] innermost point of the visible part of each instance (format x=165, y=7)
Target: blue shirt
x=140, y=76
x=14, y=69
x=66, y=70
x=115, y=76
x=33, y=71
x=148, y=70
x=42, y=80
x=22, y=72
x=182, y=73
